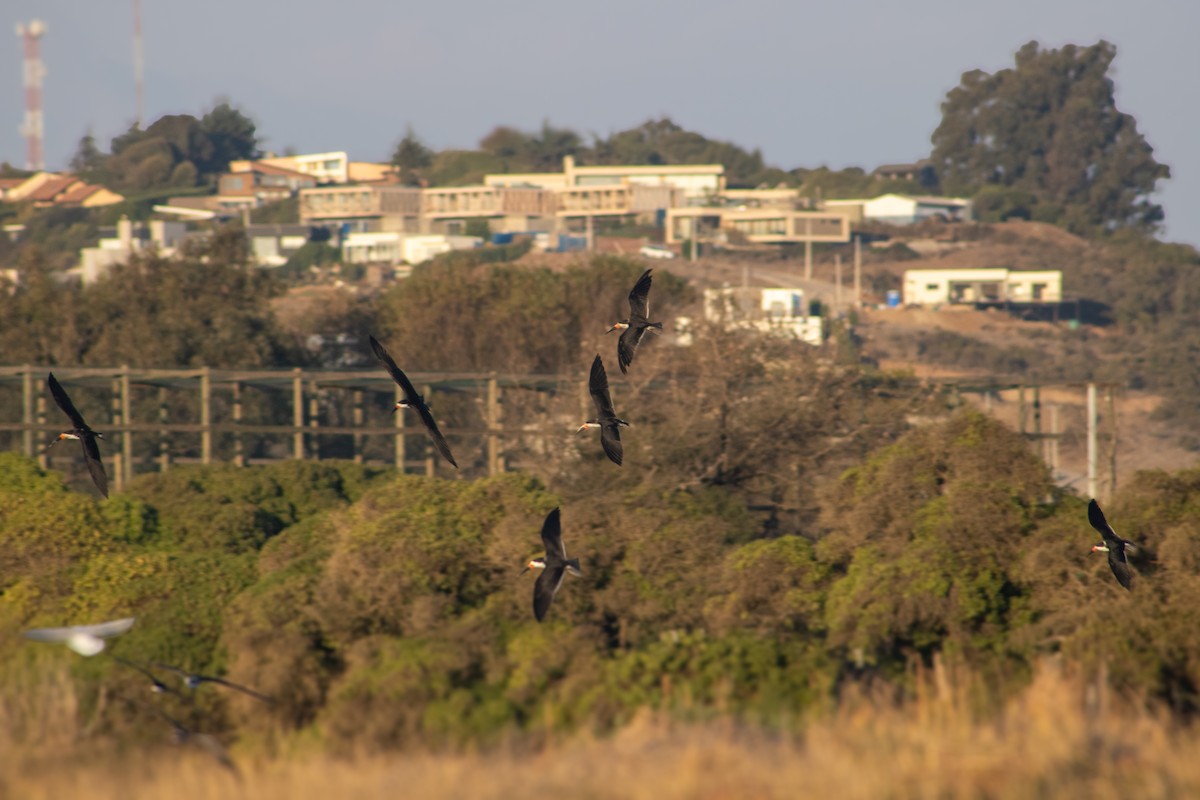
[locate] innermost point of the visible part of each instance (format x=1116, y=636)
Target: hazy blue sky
x=836, y=83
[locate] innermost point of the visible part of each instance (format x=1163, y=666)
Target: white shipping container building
x=780, y=311
x=934, y=287
x=396, y=248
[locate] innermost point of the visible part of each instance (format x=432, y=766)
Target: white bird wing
x=65, y=635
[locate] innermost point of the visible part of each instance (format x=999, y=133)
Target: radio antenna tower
x=137, y=59
x=34, y=71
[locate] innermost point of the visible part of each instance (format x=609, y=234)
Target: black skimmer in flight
x=1113, y=545
x=182, y=735
x=413, y=400
x=554, y=566
x=193, y=680
x=606, y=419
x=638, y=323
x=156, y=686
x=82, y=432
x=87, y=640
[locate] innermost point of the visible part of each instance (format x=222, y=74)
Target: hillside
x=993, y=347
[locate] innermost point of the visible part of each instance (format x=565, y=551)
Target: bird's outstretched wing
x=1120, y=567
x=610, y=440
x=627, y=345
x=206, y=742
x=64, y=402
x=545, y=587
x=598, y=386
x=103, y=630
x=439, y=441
x=552, y=538
x=91, y=454
x=639, y=299
x=238, y=687
x=1097, y=520
x=397, y=375
x=1116, y=546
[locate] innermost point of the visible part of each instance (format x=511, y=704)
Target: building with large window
x=991, y=285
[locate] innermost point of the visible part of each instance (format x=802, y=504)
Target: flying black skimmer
x=413, y=400
x=606, y=419
x=183, y=735
x=193, y=681
x=82, y=432
x=87, y=640
x=554, y=566
x=638, y=323
x=1113, y=545
x=156, y=686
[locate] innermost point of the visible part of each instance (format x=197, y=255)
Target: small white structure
x=396, y=248
x=157, y=235
x=901, y=209
x=934, y=287
x=781, y=311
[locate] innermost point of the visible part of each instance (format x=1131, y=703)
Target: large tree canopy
x=1049, y=131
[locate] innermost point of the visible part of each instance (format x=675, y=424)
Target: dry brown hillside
x=974, y=346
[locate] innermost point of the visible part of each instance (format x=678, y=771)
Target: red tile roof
x=51, y=189
x=77, y=193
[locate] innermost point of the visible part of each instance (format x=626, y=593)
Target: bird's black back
x=552, y=540
x=1117, y=560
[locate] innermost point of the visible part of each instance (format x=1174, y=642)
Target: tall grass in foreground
x=1060, y=737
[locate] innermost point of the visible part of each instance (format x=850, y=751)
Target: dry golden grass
x=1060, y=737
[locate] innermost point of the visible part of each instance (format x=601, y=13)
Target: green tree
x=88, y=159
x=206, y=308
x=412, y=158
x=505, y=142
x=1050, y=126
x=231, y=135
x=547, y=148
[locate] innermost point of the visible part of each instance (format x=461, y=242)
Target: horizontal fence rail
x=297, y=413
x=154, y=418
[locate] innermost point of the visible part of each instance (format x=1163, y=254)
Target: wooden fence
x=364, y=391
x=152, y=442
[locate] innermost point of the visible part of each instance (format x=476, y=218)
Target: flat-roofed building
x=900, y=209
x=694, y=181
x=365, y=209
x=333, y=167
x=782, y=311
x=974, y=286
x=756, y=225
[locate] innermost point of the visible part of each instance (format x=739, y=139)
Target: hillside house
x=993, y=285
x=780, y=311
x=900, y=209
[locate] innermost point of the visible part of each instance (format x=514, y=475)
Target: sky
x=848, y=83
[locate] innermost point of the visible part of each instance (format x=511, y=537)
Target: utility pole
x=1091, y=440
x=837, y=283
x=808, y=248
x=857, y=272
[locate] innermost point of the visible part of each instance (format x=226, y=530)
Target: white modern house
x=391, y=247
x=901, y=209
x=936, y=287
x=161, y=236
x=779, y=311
